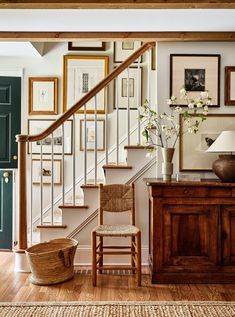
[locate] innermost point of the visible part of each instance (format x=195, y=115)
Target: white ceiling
x=118, y=20
x=21, y=49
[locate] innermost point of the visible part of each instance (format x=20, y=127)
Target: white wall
x=227, y=52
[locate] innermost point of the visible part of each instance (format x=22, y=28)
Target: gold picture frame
x=47, y=170
x=43, y=95
x=90, y=135
x=81, y=74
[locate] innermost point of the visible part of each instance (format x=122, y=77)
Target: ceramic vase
x=167, y=165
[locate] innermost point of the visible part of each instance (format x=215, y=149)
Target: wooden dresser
x=191, y=231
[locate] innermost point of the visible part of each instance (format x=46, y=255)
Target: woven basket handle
x=61, y=256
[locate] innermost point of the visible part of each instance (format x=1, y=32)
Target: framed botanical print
x=43, y=95
x=229, y=93
x=36, y=126
x=90, y=135
x=122, y=50
x=46, y=171
x=197, y=73
x=121, y=90
x=81, y=74
x=86, y=46
x=193, y=155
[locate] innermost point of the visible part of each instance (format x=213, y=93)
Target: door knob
x=15, y=157
x=6, y=177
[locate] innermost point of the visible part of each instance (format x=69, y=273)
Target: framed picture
x=81, y=74
x=36, y=126
x=122, y=50
x=46, y=171
x=193, y=146
x=197, y=73
x=122, y=89
x=153, y=58
x=229, y=94
x=86, y=46
x=43, y=95
x=90, y=135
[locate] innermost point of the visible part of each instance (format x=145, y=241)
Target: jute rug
x=118, y=309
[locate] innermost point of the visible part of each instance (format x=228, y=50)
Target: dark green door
x=10, y=120
x=6, y=209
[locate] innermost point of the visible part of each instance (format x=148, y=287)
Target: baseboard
x=83, y=257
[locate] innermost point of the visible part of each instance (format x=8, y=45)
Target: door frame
x=11, y=72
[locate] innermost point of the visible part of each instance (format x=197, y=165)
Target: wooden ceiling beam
x=117, y=4
x=119, y=36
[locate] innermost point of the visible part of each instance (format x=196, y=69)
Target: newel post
x=21, y=264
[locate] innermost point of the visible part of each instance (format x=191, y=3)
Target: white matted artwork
x=193, y=155
x=90, y=135
x=135, y=89
x=122, y=50
x=36, y=126
x=196, y=73
x=46, y=171
x=81, y=74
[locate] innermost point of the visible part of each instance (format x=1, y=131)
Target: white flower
x=204, y=94
x=173, y=98
x=169, y=102
x=178, y=109
x=183, y=91
x=199, y=104
x=190, y=130
x=187, y=121
x=209, y=102
x=191, y=105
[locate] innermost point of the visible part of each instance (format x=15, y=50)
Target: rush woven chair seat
x=116, y=198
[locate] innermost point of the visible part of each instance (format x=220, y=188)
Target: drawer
x=184, y=191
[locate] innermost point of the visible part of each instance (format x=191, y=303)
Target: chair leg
x=138, y=260
x=133, y=250
x=101, y=255
x=94, y=268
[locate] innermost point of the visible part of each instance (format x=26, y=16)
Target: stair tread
x=52, y=226
x=115, y=166
x=90, y=186
x=138, y=147
x=70, y=205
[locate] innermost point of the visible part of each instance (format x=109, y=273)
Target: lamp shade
x=224, y=143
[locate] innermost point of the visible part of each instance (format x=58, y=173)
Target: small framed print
x=81, y=74
x=90, y=135
x=43, y=95
x=122, y=50
x=192, y=154
x=36, y=126
x=86, y=46
x=135, y=89
x=46, y=172
x=197, y=73
x=229, y=93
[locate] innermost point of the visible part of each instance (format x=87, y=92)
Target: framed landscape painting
x=81, y=74
x=36, y=126
x=197, y=73
x=192, y=154
x=229, y=92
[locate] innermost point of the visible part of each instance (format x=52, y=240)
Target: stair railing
x=49, y=132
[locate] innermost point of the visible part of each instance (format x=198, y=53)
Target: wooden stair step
x=138, y=147
x=89, y=186
x=72, y=206
x=115, y=166
x=52, y=226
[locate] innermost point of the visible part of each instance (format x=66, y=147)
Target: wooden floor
x=16, y=287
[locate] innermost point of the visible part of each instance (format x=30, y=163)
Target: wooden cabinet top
x=157, y=182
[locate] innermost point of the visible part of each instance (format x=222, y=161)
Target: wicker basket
x=52, y=262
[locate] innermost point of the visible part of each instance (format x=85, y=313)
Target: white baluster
x=63, y=165
x=138, y=98
x=128, y=106
x=117, y=117
x=74, y=161
x=149, y=75
x=52, y=179
x=95, y=147
x=85, y=145
x=41, y=184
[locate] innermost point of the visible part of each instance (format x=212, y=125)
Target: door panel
x=190, y=238
x=228, y=235
x=6, y=209
x=10, y=120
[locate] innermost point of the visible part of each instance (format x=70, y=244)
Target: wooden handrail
x=65, y=116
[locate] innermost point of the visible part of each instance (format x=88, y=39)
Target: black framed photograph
x=229, y=91
x=197, y=73
x=86, y=46
x=122, y=50
x=192, y=147
x=134, y=91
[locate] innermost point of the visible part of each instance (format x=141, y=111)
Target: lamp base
x=224, y=168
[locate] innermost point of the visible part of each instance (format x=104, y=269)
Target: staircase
x=72, y=213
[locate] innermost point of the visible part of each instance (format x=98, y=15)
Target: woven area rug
x=118, y=309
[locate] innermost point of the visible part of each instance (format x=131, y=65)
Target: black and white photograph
x=195, y=79
x=207, y=139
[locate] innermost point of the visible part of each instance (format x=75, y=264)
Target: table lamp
x=224, y=166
